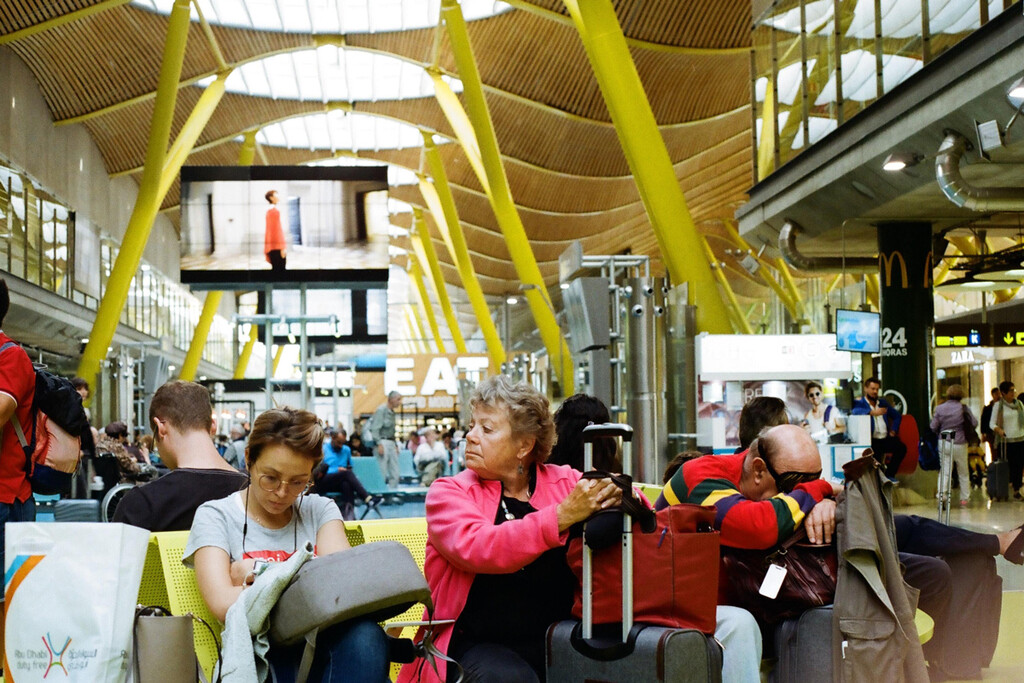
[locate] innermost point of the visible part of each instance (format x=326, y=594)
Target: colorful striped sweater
x=744, y=523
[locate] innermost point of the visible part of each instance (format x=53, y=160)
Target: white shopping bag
x=70, y=592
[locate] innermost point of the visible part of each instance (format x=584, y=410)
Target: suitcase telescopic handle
x=608, y=429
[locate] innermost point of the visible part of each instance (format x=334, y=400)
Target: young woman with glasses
x=233, y=539
x=823, y=421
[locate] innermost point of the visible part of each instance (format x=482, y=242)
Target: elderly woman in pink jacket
x=495, y=556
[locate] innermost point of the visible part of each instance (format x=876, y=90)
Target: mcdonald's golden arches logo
x=885, y=266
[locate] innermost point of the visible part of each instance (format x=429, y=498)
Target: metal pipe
x=963, y=194
x=831, y=264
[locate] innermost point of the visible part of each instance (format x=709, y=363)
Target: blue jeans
x=14, y=512
x=353, y=651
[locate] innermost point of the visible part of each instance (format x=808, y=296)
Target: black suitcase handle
x=609, y=429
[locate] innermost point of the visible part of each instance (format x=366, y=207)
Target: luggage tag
x=773, y=579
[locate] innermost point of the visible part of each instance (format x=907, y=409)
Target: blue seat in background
x=45, y=506
x=407, y=473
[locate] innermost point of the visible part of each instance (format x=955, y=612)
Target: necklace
x=508, y=515
x=256, y=518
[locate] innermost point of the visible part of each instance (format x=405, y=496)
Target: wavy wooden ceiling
x=566, y=169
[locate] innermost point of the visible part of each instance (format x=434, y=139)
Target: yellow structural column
x=190, y=132
x=762, y=272
x=420, y=288
x=438, y=197
x=147, y=203
x=202, y=331
x=741, y=320
x=645, y=151
x=424, y=248
x=500, y=194
x=246, y=155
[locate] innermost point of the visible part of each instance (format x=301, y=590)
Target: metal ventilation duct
x=831, y=264
x=958, y=191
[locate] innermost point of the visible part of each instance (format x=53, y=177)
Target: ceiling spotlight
x=1008, y=275
x=511, y=301
x=564, y=285
x=971, y=284
x=1016, y=91
x=897, y=161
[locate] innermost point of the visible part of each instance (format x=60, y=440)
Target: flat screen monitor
x=857, y=331
x=242, y=225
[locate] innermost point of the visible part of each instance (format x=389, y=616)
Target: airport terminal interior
x=675, y=207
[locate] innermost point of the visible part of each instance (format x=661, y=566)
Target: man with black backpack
x=17, y=389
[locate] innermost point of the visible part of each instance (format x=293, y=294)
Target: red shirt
x=274, y=236
x=17, y=380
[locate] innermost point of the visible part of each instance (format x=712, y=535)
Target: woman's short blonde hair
x=955, y=392
x=529, y=413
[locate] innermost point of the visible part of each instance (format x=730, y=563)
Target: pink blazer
x=462, y=541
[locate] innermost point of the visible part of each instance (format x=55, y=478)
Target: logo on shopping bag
x=48, y=642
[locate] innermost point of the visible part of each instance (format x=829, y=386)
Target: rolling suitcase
x=997, y=476
x=578, y=652
x=803, y=648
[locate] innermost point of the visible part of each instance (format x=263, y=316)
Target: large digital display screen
x=857, y=331
x=283, y=224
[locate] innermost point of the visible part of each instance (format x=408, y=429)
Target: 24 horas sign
x=427, y=382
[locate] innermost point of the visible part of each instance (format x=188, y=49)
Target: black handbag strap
x=640, y=513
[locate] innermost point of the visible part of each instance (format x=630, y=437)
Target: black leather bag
x=811, y=572
x=970, y=433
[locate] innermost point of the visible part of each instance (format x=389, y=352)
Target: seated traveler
x=181, y=416
x=430, y=457
x=338, y=477
x=497, y=533
x=268, y=521
x=115, y=442
x=823, y=421
x=575, y=413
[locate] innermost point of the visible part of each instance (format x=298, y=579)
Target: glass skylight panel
x=332, y=74
x=789, y=81
x=819, y=127
x=337, y=130
x=328, y=16
x=859, y=76
x=900, y=18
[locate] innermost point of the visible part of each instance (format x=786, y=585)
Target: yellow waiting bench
x=169, y=583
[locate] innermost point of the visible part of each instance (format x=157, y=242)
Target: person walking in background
x=952, y=414
x=275, y=248
x=885, y=423
x=380, y=429
x=1007, y=422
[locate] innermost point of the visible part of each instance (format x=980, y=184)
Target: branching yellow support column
x=438, y=197
x=424, y=249
x=147, y=203
x=190, y=132
x=417, y=277
x=277, y=359
x=741, y=320
x=762, y=272
x=202, y=331
x=677, y=235
x=500, y=194
x=787, y=277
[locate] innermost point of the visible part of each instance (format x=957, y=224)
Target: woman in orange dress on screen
x=274, y=244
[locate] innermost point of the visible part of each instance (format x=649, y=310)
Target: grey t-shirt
x=219, y=523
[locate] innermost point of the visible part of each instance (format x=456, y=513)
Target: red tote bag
x=675, y=572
